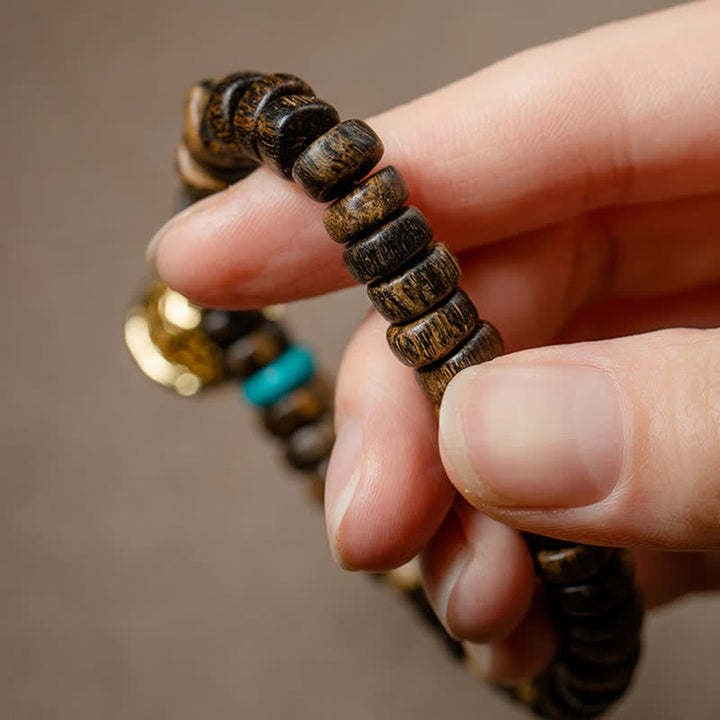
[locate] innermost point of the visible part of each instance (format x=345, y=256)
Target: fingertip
x=479, y=576
x=259, y=242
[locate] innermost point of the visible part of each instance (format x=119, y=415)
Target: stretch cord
x=247, y=119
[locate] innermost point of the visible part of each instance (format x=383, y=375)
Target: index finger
x=623, y=114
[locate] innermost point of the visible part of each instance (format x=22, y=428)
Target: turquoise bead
x=283, y=375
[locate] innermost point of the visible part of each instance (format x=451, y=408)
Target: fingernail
x=445, y=589
x=343, y=476
x=533, y=436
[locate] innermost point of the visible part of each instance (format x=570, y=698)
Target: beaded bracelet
x=246, y=119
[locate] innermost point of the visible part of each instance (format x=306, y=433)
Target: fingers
x=608, y=117
x=386, y=491
x=614, y=442
x=478, y=576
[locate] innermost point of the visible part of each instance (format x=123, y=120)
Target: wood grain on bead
x=389, y=247
x=306, y=404
x=310, y=444
x=337, y=159
x=435, y=335
x=195, y=106
x=255, y=350
x=257, y=96
x=483, y=345
x=217, y=130
x=572, y=564
x=287, y=126
x=367, y=206
x=416, y=289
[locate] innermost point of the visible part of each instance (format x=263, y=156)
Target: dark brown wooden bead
x=367, y=206
x=217, y=130
x=259, y=94
x=389, y=247
x=583, y=703
x=225, y=326
x=572, y=564
x=195, y=105
x=287, y=126
x=426, y=282
x=625, y=621
x=196, y=175
x=483, y=345
x=595, y=677
x=309, y=445
x=255, y=350
x=600, y=594
x=618, y=650
x=338, y=158
x=304, y=405
x=435, y=335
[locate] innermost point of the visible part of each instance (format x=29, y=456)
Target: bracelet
x=246, y=119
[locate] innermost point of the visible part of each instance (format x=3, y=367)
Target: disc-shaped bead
x=300, y=407
x=337, y=159
x=367, y=206
x=257, y=96
x=573, y=564
x=389, y=247
x=216, y=130
x=310, y=444
x=419, y=287
x=624, y=621
x=599, y=594
x=483, y=345
x=287, y=126
x=435, y=335
x=225, y=326
x=255, y=350
x=594, y=677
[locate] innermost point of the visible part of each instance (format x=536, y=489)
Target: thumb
x=614, y=442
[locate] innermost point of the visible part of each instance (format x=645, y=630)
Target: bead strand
x=413, y=282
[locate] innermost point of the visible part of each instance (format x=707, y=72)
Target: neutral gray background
x=155, y=559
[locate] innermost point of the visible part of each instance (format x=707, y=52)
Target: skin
x=579, y=183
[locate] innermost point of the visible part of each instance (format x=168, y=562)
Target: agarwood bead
x=255, y=350
x=433, y=336
x=310, y=444
x=624, y=621
x=225, y=326
x=195, y=106
x=287, y=126
x=258, y=95
x=217, y=128
x=483, y=345
x=617, y=650
x=389, y=247
x=595, y=677
x=572, y=564
x=582, y=703
x=302, y=406
x=367, y=206
x=196, y=175
x=600, y=594
x=338, y=158
x=425, y=283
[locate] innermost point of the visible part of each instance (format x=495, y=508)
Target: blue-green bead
x=283, y=375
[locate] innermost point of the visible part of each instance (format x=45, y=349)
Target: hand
x=580, y=185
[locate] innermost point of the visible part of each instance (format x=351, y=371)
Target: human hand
x=580, y=185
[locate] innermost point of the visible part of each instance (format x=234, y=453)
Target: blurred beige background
x=155, y=559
